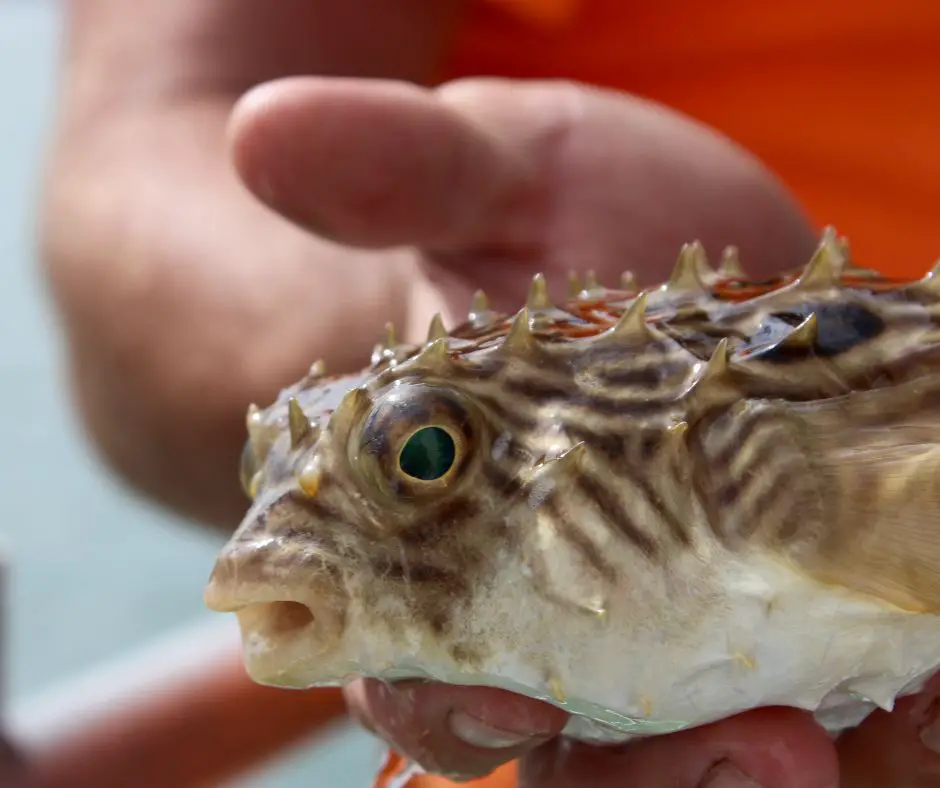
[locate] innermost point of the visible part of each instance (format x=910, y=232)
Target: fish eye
x=416, y=442
x=428, y=454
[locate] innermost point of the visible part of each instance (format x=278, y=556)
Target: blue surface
x=95, y=571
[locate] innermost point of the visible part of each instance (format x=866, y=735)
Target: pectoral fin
x=877, y=454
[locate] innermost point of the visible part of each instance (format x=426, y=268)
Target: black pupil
x=428, y=454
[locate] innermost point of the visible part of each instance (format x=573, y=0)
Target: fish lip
x=288, y=611
x=243, y=576
x=222, y=600
x=276, y=620
x=287, y=643
x=280, y=621
x=228, y=595
x=233, y=597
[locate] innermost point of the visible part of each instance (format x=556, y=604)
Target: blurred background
x=96, y=575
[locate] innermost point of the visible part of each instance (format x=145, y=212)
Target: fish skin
x=665, y=506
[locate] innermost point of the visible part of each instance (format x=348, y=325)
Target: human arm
x=182, y=297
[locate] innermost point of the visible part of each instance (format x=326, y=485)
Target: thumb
x=486, y=175
x=374, y=163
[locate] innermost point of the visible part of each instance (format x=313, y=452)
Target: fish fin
x=877, y=456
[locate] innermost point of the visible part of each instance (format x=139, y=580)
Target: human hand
x=769, y=748
x=184, y=298
x=490, y=181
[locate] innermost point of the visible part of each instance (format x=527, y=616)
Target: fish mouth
x=286, y=638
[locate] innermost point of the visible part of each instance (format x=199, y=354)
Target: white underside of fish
x=669, y=656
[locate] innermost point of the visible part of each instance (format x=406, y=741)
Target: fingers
x=499, y=177
x=464, y=731
x=469, y=731
x=900, y=748
x=767, y=748
x=372, y=163
x=623, y=181
x=620, y=183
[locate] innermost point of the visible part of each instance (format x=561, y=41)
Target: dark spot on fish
x=439, y=621
x=648, y=445
x=840, y=327
x=464, y=654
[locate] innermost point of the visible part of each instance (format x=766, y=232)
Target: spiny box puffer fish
x=654, y=509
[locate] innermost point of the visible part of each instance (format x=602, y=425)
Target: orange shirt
x=841, y=98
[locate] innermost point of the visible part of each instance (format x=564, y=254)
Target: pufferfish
x=653, y=508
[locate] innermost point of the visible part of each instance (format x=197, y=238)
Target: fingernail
x=727, y=775
x=478, y=734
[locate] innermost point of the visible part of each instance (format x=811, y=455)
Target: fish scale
x=651, y=507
